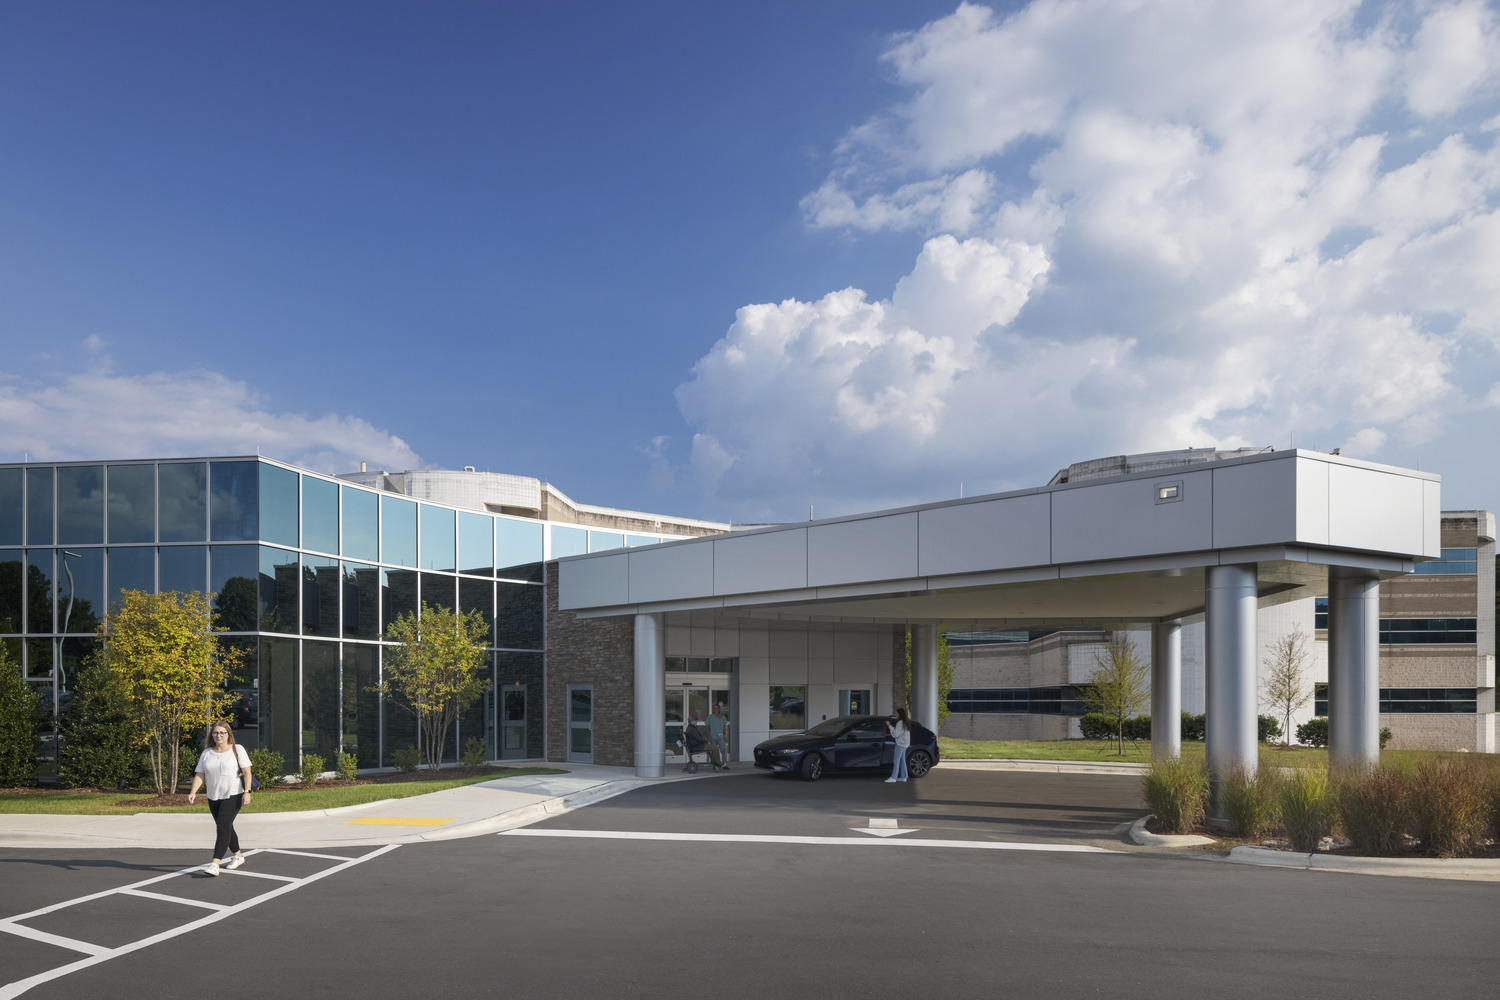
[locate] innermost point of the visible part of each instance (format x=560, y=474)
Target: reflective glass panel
x=788, y=707
x=80, y=504
x=320, y=701
x=39, y=565
x=439, y=591
x=280, y=700
x=398, y=594
x=11, y=605
x=80, y=590
x=580, y=704
x=320, y=515
x=39, y=506
x=320, y=596
x=471, y=723
x=476, y=544
x=478, y=595
x=74, y=656
x=518, y=550
x=525, y=670
x=39, y=663
x=235, y=501
x=278, y=506
x=232, y=571
x=568, y=542
x=12, y=505
x=635, y=540
x=398, y=532
x=240, y=681
x=600, y=541
x=132, y=503
x=182, y=502
x=361, y=601
x=361, y=524
x=132, y=568
x=518, y=616
x=361, y=723
x=400, y=728
x=183, y=568
x=437, y=539
x=279, y=587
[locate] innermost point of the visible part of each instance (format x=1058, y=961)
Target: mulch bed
x=180, y=798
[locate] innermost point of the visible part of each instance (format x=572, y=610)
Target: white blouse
x=221, y=772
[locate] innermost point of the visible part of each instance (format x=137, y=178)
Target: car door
x=860, y=745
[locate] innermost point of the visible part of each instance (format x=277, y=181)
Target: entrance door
x=513, y=722
x=581, y=723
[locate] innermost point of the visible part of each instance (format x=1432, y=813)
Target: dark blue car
x=847, y=743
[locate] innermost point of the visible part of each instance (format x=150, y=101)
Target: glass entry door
x=581, y=723
x=513, y=722
x=685, y=701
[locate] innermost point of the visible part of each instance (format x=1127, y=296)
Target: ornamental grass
x=1176, y=790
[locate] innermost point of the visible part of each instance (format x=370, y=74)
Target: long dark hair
x=903, y=717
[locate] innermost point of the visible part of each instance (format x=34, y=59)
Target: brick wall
x=597, y=651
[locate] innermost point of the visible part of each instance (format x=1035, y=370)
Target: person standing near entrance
x=224, y=773
x=900, y=729
x=718, y=727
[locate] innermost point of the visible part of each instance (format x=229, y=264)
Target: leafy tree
x=1283, y=688
x=101, y=744
x=236, y=605
x=1120, y=685
x=164, y=652
x=19, y=725
x=435, y=670
x=945, y=672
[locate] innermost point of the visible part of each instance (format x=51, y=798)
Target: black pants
x=224, y=811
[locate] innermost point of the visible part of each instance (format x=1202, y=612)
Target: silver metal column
x=1166, y=690
x=1353, y=667
x=650, y=696
x=1230, y=687
x=924, y=675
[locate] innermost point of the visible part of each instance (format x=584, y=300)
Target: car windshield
x=831, y=727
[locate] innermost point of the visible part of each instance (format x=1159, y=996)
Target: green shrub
x=407, y=759
x=1267, y=728
x=348, y=766
x=101, y=744
x=473, y=752
x=1373, y=807
x=1249, y=800
x=1097, y=726
x=20, y=729
x=1306, y=807
x=1385, y=736
x=1313, y=732
x=1194, y=726
x=1138, y=728
x=312, y=768
x=1450, y=806
x=1176, y=790
x=267, y=766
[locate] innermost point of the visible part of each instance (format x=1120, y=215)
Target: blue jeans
x=898, y=768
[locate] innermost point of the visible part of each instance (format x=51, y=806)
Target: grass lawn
x=1139, y=752
x=291, y=800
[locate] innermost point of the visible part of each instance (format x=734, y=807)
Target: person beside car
x=900, y=730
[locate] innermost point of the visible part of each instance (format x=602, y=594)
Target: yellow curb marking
x=404, y=821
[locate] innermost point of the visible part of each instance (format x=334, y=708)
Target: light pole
x=62, y=675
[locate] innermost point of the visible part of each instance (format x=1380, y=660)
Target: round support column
x=1230, y=688
x=650, y=697
x=924, y=675
x=1166, y=691
x=1353, y=667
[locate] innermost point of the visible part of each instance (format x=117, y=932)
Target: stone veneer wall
x=598, y=651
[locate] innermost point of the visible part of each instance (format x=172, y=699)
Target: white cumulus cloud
x=1145, y=224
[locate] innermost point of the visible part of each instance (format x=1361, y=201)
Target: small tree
x=434, y=670
x=1283, y=688
x=945, y=672
x=101, y=745
x=18, y=725
x=165, y=653
x=1120, y=685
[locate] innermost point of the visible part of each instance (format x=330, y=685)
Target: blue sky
x=729, y=260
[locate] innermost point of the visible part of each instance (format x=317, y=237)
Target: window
x=1452, y=561
x=1412, y=701
x=599, y=541
x=235, y=496
x=398, y=532
x=132, y=503
x=518, y=550
x=1427, y=631
x=476, y=544
x=1054, y=700
x=279, y=587
x=788, y=707
x=361, y=601
x=568, y=542
x=11, y=506
x=80, y=504
x=438, y=550
x=320, y=515
x=278, y=506
x=361, y=524
x=39, y=506
x=182, y=502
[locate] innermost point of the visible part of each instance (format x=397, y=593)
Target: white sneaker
x=212, y=868
x=889, y=780
x=234, y=862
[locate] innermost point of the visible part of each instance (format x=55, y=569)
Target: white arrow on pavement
x=881, y=828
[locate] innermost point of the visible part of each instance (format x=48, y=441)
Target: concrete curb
x=1140, y=835
x=1048, y=766
x=1431, y=867
x=528, y=814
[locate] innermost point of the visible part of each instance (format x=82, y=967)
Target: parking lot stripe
x=757, y=838
x=173, y=899
x=97, y=954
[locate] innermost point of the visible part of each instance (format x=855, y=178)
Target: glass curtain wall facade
x=306, y=571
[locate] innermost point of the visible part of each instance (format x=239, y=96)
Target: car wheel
x=812, y=767
x=918, y=763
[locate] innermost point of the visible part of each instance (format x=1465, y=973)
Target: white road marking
x=882, y=826
x=755, y=838
x=97, y=953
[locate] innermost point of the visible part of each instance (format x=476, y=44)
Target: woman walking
x=224, y=773
x=901, y=730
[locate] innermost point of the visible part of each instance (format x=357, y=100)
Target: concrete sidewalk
x=469, y=811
